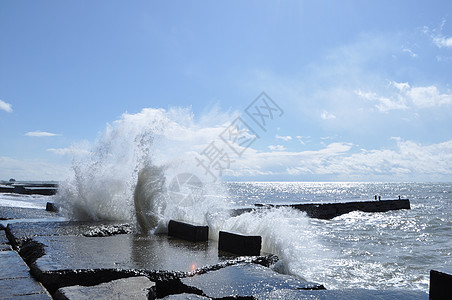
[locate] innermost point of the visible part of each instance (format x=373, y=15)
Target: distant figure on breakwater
x=375, y=197
x=379, y=198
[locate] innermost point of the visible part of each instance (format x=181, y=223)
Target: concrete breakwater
x=331, y=210
x=29, y=188
x=105, y=260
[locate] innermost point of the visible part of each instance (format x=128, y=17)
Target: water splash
x=126, y=176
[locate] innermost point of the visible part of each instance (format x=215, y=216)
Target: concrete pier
x=29, y=188
x=331, y=210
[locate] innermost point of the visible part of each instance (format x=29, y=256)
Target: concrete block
x=440, y=284
x=126, y=288
x=188, y=232
x=243, y=281
x=239, y=244
x=50, y=206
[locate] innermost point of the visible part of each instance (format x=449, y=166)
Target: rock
x=188, y=232
x=239, y=244
x=440, y=283
x=133, y=288
x=244, y=280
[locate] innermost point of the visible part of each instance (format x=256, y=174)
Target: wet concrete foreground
x=70, y=261
x=15, y=279
x=92, y=260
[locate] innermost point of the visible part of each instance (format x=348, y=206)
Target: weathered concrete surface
x=68, y=245
x=331, y=210
x=441, y=283
x=3, y=238
x=239, y=244
x=15, y=280
x=133, y=288
x=347, y=294
x=62, y=254
x=188, y=232
x=8, y=213
x=125, y=251
x=4, y=243
x=185, y=296
x=244, y=280
x=23, y=230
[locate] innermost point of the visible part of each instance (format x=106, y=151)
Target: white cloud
x=406, y=97
x=327, y=116
x=438, y=38
x=5, y=106
x=277, y=147
x=41, y=133
x=407, y=161
x=72, y=151
x=442, y=41
x=410, y=52
x=427, y=96
x=284, y=138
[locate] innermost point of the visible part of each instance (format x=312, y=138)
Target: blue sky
x=364, y=85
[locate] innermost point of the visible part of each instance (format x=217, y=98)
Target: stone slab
x=12, y=266
x=3, y=239
x=188, y=232
x=24, y=230
x=22, y=287
x=239, y=244
x=126, y=251
x=15, y=279
x=133, y=288
x=347, y=294
x=244, y=280
x=8, y=213
x=29, y=297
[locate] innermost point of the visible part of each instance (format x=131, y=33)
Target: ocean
x=390, y=250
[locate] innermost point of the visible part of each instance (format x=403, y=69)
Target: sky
x=362, y=88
